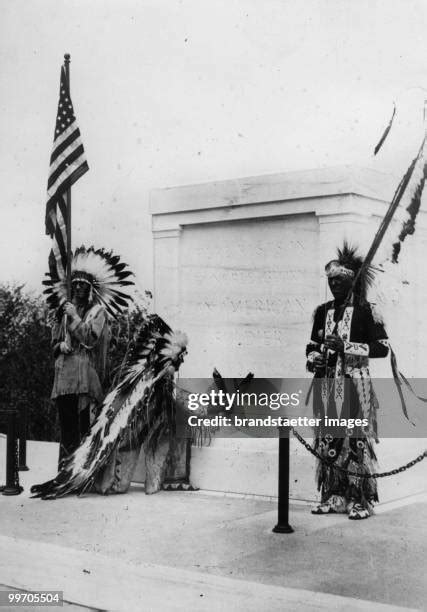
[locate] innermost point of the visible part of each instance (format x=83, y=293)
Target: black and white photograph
x=213, y=332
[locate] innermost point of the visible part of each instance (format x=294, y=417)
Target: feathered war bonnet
x=175, y=347
x=349, y=264
x=156, y=340
x=102, y=270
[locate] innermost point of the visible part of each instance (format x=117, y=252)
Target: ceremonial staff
x=400, y=191
x=413, y=208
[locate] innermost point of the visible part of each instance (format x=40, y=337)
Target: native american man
x=338, y=354
x=80, y=341
x=77, y=386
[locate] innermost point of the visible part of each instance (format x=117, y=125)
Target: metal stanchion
x=12, y=486
x=283, y=502
x=22, y=459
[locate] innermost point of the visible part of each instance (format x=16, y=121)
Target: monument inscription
x=246, y=292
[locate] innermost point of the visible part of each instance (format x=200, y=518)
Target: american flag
x=67, y=165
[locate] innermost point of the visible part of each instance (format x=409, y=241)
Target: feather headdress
x=104, y=272
x=349, y=259
x=140, y=408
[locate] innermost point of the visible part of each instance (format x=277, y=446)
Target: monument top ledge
x=296, y=185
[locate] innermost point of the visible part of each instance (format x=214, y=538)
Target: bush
x=26, y=362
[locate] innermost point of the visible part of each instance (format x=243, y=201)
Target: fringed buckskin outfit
x=343, y=390
x=77, y=386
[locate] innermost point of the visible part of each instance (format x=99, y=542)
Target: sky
x=174, y=92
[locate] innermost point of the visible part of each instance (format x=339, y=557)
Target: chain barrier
x=351, y=472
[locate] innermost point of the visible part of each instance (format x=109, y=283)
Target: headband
x=334, y=268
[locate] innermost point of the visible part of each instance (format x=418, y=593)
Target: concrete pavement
x=200, y=551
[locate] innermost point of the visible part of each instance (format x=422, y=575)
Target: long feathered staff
x=141, y=407
x=413, y=187
x=398, y=195
x=409, y=194
x=413, y=198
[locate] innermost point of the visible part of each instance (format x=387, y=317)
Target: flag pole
x=68, y=194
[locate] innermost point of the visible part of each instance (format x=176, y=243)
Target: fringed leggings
x=354, y=454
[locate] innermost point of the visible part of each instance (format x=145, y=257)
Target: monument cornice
x=324, y=192
x=284, y=186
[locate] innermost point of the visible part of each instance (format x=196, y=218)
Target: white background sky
x=170, y=92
